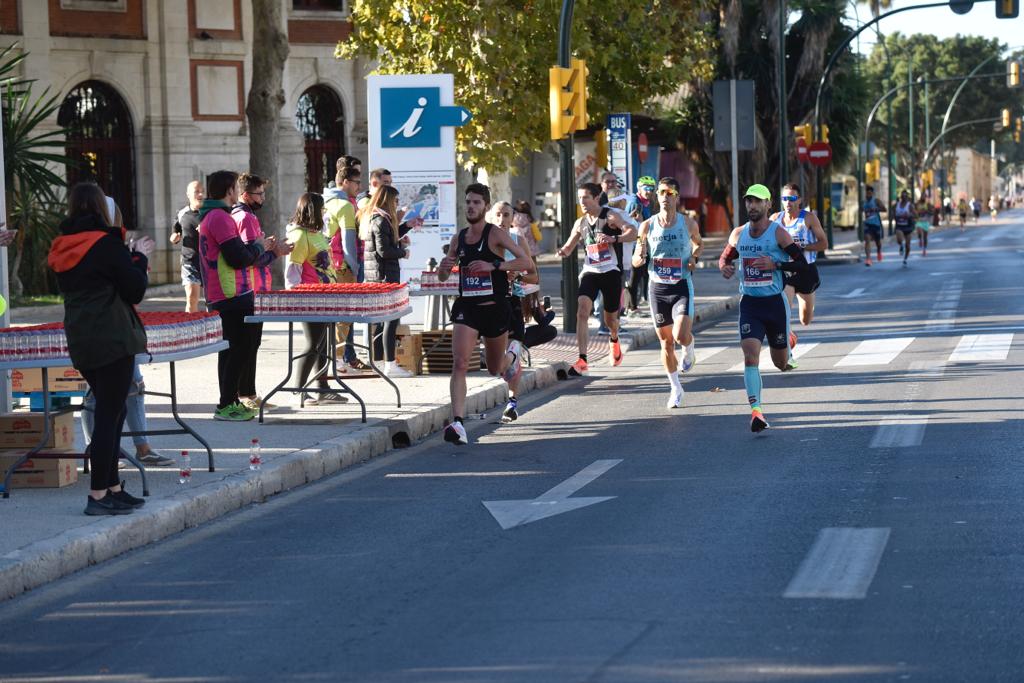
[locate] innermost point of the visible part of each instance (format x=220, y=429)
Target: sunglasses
x=666, y=191
x=790, y=198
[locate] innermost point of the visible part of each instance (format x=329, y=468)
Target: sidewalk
x=46, y=536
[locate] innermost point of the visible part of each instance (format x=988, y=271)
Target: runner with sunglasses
x=805, y=229
x=670, y=244
x=765, y=251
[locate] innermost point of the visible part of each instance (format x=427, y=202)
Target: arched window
x=101, y=138
x=321, y=120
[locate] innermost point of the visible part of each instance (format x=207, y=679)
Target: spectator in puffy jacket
x=384, y=251
x=101, y=281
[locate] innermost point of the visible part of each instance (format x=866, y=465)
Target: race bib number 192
x=477, y=285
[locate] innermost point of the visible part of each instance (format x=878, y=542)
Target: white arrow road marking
x=840, y=565
x=854, y=294
x=766, y=356
x=982, y=347
x=875, y=352
x=513, y=513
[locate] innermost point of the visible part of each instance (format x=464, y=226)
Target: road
x=874, y=533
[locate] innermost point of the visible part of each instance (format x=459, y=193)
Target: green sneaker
x=234, y=412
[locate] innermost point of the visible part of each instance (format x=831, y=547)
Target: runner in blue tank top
x=805, y=229
x=673, y=243
x=765, y=250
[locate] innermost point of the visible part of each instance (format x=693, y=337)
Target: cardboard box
x=59, y=379
x=24, y=429
x=36, y=473
x=409, y=354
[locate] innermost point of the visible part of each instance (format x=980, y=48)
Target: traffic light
x=877, y=171
x=872, y=171
x=804, y=131
x=927, y=178
x=1005, y=119
x=567, y=95
x=1013, y=74
x=1007, y=9
x=823, y=133
x=1018, y=129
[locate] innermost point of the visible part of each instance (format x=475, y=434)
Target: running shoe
x=792, y=340
x=579, y=368
x=757, y=421
x=396, y=370
x=455, y=433
x=867, y=262
x=330, y=398
x=615, y=353
x=675, y=399
x=358, y=365
x=879, y=255
x=689, y=359
x=127, y=498
x=924, y=252
x=254, y=403
x=154, y=459
x=510, y=414
x=791, y=364
x=515, y=368
x=234, y=412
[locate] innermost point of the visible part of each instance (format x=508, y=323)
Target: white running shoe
x=396, y=370
x=455, y=433
x=675, y=399
x=690, y=359
x=516, y=366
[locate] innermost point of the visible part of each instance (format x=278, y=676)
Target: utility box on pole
x=733, y=104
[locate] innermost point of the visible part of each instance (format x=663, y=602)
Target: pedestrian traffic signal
x=567, y=94
x=1005, y=118
x=1013, y=74
x=822, y=133
x=804, y=131
x=1007, y=9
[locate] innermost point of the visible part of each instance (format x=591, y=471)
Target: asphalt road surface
x=874, y=533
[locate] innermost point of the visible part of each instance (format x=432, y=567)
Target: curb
x=48, y=560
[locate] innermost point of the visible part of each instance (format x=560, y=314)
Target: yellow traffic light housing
x=823, y=133
x=1007, y=9
x=869, y=172
x=877, y=170
x=804, y=131
x=1013, y=74
x=1005, y=118
x=567, y=96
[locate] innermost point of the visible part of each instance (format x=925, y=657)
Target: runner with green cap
x=765, y=250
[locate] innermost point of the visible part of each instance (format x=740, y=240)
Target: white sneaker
x=516, y=366
x=396, y=370
x=690, y=359
x=455, y=433
x=675, y=399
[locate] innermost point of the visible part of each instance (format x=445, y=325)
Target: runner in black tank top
x=482, y=308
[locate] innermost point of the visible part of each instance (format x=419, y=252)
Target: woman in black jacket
x=382, y=263
x=101, y=281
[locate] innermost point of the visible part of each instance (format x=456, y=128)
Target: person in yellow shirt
x=342, y=230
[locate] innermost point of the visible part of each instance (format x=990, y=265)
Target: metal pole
x=567, y=184
x=783, y=124
x=927, y=128
x=735, y=153
x=910, y=124
x=940, y=136
x=6, y=401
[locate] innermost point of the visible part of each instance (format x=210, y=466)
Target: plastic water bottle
x=185, y=471
x=255, y=457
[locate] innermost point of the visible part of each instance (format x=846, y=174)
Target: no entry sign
x=820, y=153
x=801, y=150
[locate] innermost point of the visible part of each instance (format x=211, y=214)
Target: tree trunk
x=266, y=99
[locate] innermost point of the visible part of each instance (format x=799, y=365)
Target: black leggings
x=242, y=337
x=315, y=353
x=109, y=385
x=389, y=342
x=637, y=286
x=247, y=381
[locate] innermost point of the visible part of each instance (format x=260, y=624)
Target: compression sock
x=752, y=382
x=673, y=377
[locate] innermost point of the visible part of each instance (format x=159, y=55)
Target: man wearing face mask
x=252, y=190
x=766, y=250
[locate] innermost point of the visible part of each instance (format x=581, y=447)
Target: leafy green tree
x=500, y=52
x=747, y=31
x=924, y=55
x=34, y=191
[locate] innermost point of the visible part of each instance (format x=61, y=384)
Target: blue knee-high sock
x=752, y=381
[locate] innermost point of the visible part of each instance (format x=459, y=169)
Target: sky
x=943, y=23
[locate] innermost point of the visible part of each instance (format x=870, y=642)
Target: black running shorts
x=489, y=320
x=803, y=283
x=669, y=302
x=765, y=316
x=608, y=284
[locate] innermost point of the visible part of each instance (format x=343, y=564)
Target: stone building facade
x=155, y=90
